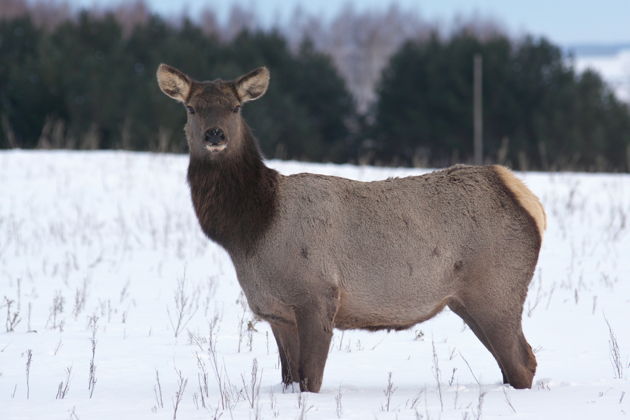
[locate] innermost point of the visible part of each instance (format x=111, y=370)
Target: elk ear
x=252, y=85
x=173, y=82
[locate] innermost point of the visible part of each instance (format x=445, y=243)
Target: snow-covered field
x=102, y=263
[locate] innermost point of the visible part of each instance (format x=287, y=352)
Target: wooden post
x=477, y=109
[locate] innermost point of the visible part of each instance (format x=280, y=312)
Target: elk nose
x=214, y=136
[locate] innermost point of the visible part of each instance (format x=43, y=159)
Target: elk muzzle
x=215, y=139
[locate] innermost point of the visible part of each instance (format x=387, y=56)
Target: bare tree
x=131, y=14
x=239, y=19
x=360, y=42
x=209, y=22
x=45, y=13
x=10, y=9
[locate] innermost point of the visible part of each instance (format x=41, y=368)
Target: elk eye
x=190, y=109
x=236, y=109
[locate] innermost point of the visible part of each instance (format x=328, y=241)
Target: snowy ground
x=99, y=250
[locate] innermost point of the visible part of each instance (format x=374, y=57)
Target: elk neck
x=234, y=197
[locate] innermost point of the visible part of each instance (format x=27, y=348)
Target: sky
x=567, y=22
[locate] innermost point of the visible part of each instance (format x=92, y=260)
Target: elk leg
x=515, y=355
x=503, y=332
x=456, y=306
x=315, y=332
x=289, y=350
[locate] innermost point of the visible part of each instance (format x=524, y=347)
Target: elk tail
x=524, y=196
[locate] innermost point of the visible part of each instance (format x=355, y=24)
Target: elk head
x=215, y=127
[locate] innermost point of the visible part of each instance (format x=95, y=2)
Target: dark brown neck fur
x=234, y=196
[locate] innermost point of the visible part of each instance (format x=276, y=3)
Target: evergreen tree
x=23, y=96
x=538, y=112
x=89, y=83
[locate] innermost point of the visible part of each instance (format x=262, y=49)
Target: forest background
x=379, y=87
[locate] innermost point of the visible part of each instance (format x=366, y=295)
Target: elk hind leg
x=456, y=306
x=499, y=327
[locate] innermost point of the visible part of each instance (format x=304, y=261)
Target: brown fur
x=315, y=252
x=234, y=200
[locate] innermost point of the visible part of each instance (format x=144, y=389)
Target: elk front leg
x=289, y=349
x=315, y=327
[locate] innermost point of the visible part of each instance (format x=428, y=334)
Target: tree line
x=88, y=82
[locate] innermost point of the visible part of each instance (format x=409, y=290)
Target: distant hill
x=612, y=62
x=596, y=49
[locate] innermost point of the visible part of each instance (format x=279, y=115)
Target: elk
x=313, y=253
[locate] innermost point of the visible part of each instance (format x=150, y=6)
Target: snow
x=112, y=236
